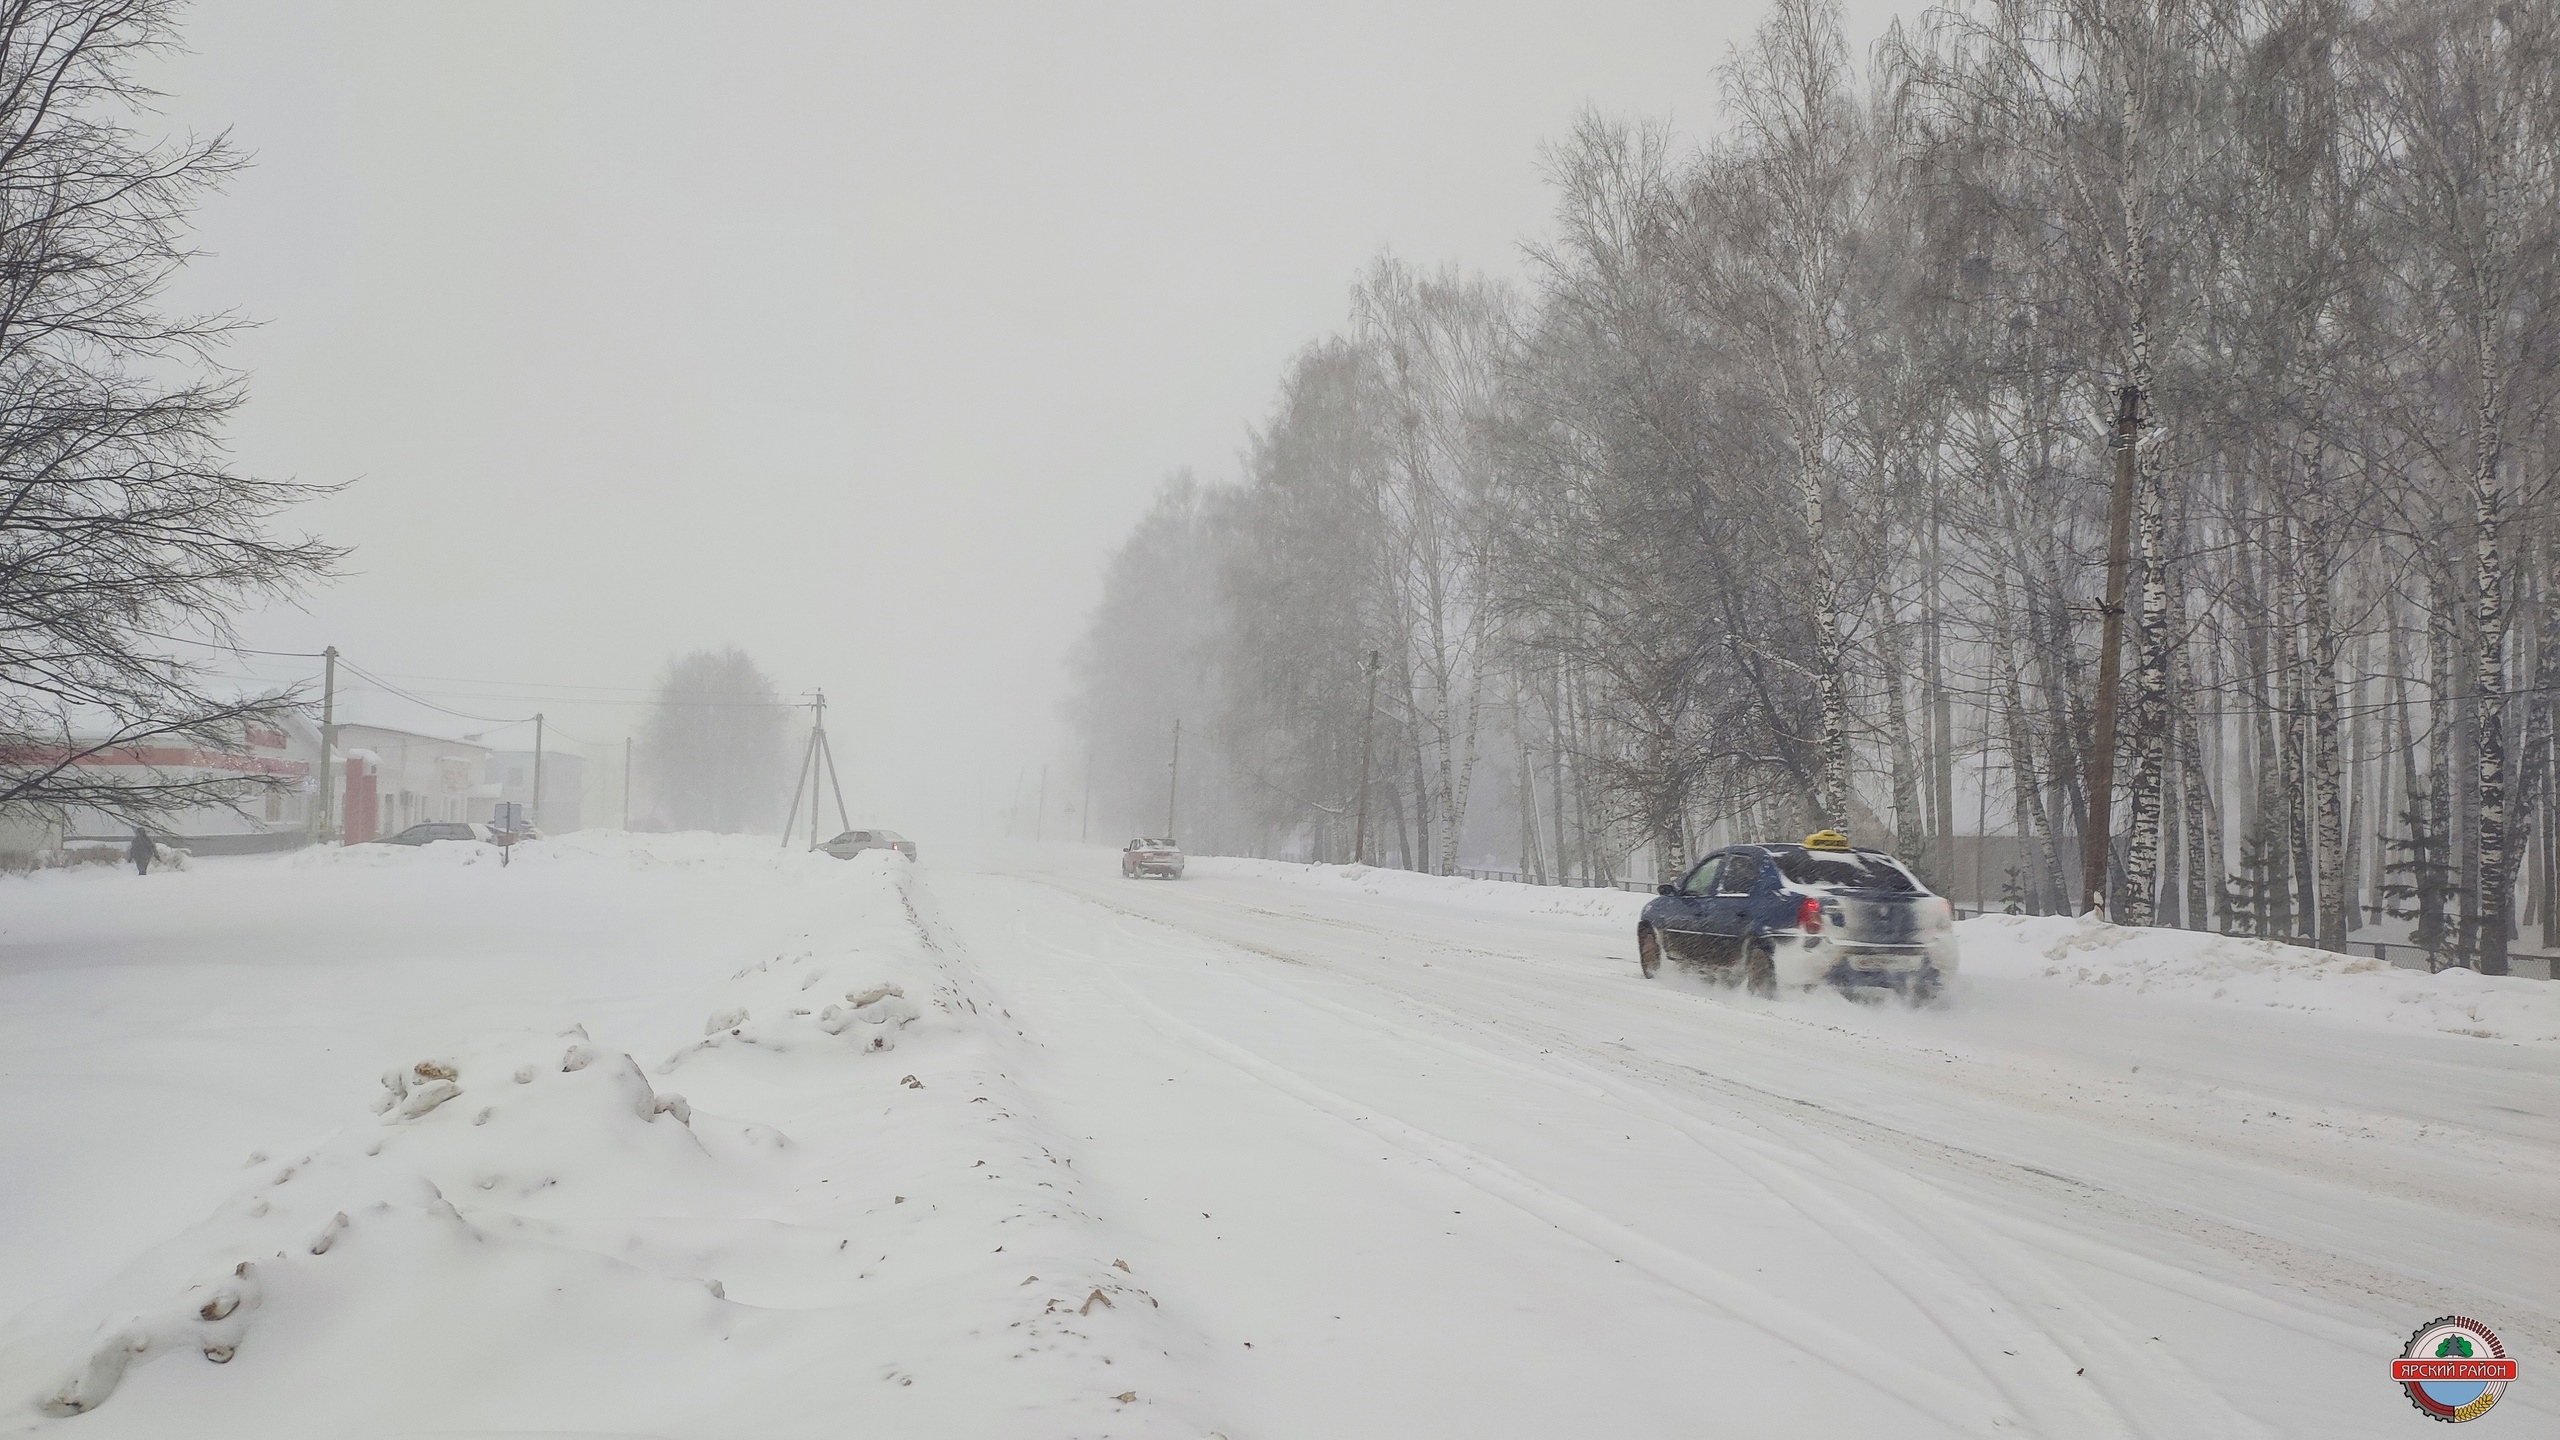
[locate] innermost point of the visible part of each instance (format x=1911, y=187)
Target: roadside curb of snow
x=2178, y=965
x=2191, y=965
x=1068, y=1299
x=516, y=1169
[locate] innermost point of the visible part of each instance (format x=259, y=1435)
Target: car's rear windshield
x=1846, y=869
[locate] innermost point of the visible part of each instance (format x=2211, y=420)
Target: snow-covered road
x=1273, y=1151
x=1470, y=1173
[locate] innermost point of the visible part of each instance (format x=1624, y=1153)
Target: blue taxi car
x=1781, y=916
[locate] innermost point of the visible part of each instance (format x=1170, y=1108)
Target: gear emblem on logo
x=2453, y=1369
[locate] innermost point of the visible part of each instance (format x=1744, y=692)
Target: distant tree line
x=713, y=752
x=1778, y=494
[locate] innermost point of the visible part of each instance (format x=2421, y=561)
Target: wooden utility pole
x=537, y=770
x=817, y=747
x=2096, y=845
x=817, y=765
x=1084, y=815
x=626, y=782
x=1360, y=828
x=835, y=783
x=326, y=806
x=1173, y=780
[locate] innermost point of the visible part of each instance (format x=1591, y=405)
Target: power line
x=513, y=689
x=538, y=684
x=660, y=699
x=582, y=740
x=619, y=704
x=430, y=704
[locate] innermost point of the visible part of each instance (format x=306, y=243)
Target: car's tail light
x=1809, y=915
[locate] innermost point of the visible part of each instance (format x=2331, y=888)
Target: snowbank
x=831, y=1210
x=2187, y=965
x=499, y=1165
x=2180, y=965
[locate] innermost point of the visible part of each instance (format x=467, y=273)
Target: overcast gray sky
x=856, y=335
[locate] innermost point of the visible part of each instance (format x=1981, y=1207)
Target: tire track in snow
x=1953, y=1286
x=2343, y=1278
x=1953, y=1281
x=1952, y=1289
x=2413, y=1180
x=1952, y=1270
x=1917, y=1387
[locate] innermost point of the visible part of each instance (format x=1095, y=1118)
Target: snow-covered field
x=675, y=1136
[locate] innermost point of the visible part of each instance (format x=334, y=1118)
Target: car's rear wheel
x=1648, y=951
x=1760, y=968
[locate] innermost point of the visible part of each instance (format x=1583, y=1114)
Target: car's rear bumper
x=1815, y=960
x=1899, y=974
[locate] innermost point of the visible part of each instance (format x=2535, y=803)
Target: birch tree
x=1440, y=346
x=2110, y=102
x=1796, y=181
x=2467, y=121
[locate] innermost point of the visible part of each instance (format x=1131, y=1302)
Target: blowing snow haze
x=852, y=335
x=1514, y=720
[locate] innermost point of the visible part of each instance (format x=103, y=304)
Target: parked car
x=1775, y=917
x=428, y=832
x=854, y=842
x=1141, y=858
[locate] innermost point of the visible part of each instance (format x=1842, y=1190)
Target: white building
x=414, y=778
x=274, y=815
x=561, y=807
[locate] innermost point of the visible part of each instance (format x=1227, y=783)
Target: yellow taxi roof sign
x=1826, y=840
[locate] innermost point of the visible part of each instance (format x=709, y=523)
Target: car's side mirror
x=1666, y=889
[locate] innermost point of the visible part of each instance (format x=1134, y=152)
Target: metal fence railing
x=1574, y=882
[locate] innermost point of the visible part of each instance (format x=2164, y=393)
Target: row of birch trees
x=1775, y=493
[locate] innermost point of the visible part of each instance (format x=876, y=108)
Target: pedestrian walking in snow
x=141, y=850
